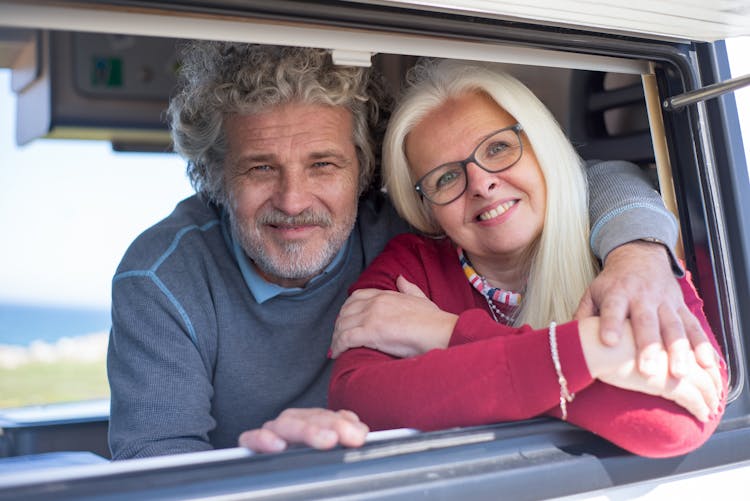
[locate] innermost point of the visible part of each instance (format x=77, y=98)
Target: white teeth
x=497, y=211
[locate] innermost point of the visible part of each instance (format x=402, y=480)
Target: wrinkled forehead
x=299, y=128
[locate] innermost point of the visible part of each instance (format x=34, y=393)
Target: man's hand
x=317, y=428
x=696, y=391
x=638, y=283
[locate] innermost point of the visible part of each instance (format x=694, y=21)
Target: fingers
x=715, y=375
x=686, y=341
x=348, y=330
x=648, y=341
x=691, y=398
x=346, y=337
x=262, y=440
x=586, y=307
x=394, y=322
x=697, y=392
x=408, y=288
x=676, y=341
x=363, y=309
x=612, y=314
x=317, y=428
x=368, y=299
x=705, y=353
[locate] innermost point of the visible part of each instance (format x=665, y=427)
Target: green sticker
x=106, y=72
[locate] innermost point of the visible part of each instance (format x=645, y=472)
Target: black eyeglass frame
x=517, y=128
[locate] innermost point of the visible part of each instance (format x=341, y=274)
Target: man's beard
x=295, y=261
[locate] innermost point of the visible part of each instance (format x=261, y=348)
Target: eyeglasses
x=497, y=152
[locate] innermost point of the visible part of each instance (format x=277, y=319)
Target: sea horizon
x=22, y=324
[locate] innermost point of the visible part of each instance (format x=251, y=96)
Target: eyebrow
x=331, y=153
x=261, y=157
x=269, y=157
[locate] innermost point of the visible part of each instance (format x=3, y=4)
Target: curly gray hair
x=218, y=78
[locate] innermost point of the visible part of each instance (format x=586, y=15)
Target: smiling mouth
x=497, y=211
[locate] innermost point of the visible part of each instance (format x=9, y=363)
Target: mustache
x=305, y=218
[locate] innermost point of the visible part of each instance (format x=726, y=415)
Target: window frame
x=473, y=460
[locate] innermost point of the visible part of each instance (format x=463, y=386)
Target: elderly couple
x=522, y=282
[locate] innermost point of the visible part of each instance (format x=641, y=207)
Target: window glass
x=68, y=211
x=739, y=64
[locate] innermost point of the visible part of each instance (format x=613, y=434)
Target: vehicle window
x=55, y=272
x=68, y=211
x=740, y=65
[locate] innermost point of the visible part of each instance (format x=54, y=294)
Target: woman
x=513, y=261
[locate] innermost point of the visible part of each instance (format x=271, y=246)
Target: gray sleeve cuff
x=623, y=207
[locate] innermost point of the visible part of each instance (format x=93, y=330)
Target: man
x=223, y=312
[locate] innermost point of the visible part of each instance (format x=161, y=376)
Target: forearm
x=624, y=207
x=498, y=379
x=642, y=424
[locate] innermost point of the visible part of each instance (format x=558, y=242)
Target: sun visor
x=81, y=82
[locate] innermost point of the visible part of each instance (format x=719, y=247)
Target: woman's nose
x=479, y=181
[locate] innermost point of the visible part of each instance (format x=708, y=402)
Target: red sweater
x=492, y=372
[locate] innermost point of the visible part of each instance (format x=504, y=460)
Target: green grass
x=45, y=383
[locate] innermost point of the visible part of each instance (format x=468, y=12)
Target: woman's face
x=500, y=215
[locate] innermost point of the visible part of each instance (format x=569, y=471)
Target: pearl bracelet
x=565, y=396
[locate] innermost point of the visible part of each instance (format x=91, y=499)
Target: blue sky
x=61, y=244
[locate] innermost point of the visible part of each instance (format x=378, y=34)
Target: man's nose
x=479, y=181
x=293, y=193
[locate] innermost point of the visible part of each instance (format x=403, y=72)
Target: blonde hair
x=561, y=265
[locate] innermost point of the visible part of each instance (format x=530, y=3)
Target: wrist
x=647, y=248
x=603, y=360
x=651, y=248
x=588, y=332
x=446, y=329
x=439, y=335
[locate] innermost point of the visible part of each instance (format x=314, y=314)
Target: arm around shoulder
x=625, y=207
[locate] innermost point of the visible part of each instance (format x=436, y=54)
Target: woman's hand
x=403, y=324
x=638, y=283
x=697, y=391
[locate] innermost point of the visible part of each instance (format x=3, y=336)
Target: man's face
x=292, y=175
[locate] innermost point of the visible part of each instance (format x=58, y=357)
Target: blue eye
x=496, y=148
x=447, y=178
x=258, y=172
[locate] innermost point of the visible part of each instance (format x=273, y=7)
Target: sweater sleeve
x=506, y=377
x=160, y=386
x=623, y=207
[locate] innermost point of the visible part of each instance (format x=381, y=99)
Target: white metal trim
x=170, y=24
